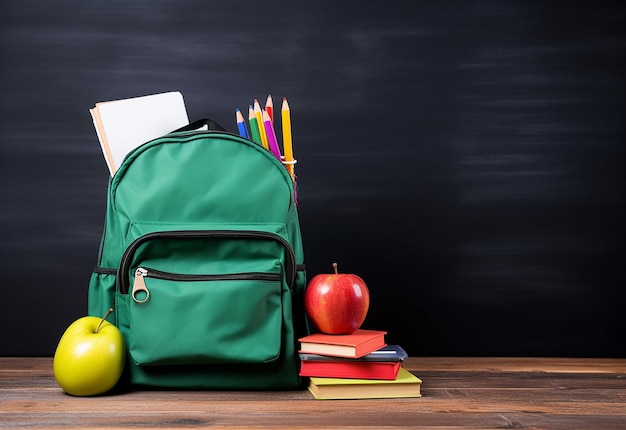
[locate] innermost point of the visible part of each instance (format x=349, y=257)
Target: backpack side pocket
x=101, y=294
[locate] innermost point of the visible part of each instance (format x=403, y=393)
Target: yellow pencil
x=287, y=140
x=259, y=119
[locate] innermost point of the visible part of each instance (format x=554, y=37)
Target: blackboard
x=465, y=158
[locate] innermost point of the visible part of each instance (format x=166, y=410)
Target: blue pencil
x=241, y=124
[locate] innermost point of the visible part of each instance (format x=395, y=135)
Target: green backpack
x=202, y=260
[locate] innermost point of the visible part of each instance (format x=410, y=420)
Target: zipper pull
x=140, y=285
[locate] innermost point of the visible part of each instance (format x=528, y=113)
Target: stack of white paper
x=123, y=125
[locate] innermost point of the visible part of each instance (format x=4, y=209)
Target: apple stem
x=335, y=268
x=104, y=318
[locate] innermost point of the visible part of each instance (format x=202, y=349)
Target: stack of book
x=359, y=365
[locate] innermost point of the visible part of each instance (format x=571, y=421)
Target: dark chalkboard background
x=465, y=158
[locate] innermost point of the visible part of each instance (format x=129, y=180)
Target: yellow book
x=405, y=385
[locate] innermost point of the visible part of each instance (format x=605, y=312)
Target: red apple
x=337, y=303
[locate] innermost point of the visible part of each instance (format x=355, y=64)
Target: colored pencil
x=271, y=135
x=241, y=124
x=259, y=118
x=254, y=127
x=287, y=139
x=269, y=107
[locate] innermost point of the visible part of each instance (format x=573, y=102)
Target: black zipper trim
x=104, y=270
x=122, y=275
x=248, y=276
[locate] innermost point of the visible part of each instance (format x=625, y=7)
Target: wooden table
x=460, y=393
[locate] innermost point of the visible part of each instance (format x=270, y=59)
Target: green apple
x=90, y=357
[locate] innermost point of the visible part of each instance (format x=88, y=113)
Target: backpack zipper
x=122, y=277
x=139, y=285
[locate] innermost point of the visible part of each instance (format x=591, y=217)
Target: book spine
x=364, y=370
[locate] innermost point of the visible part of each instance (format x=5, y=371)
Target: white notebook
x=122, y=125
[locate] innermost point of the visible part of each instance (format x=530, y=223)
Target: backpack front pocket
x=205, y=318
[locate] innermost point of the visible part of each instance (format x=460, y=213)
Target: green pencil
x=254, y=127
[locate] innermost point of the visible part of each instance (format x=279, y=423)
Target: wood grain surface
x=458, y=393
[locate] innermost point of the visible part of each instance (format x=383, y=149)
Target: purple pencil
x=271, y=136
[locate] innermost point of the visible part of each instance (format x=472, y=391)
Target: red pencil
x=269, y=107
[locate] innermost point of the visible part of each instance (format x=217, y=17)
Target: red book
x=360, y=370
x=353, y=345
